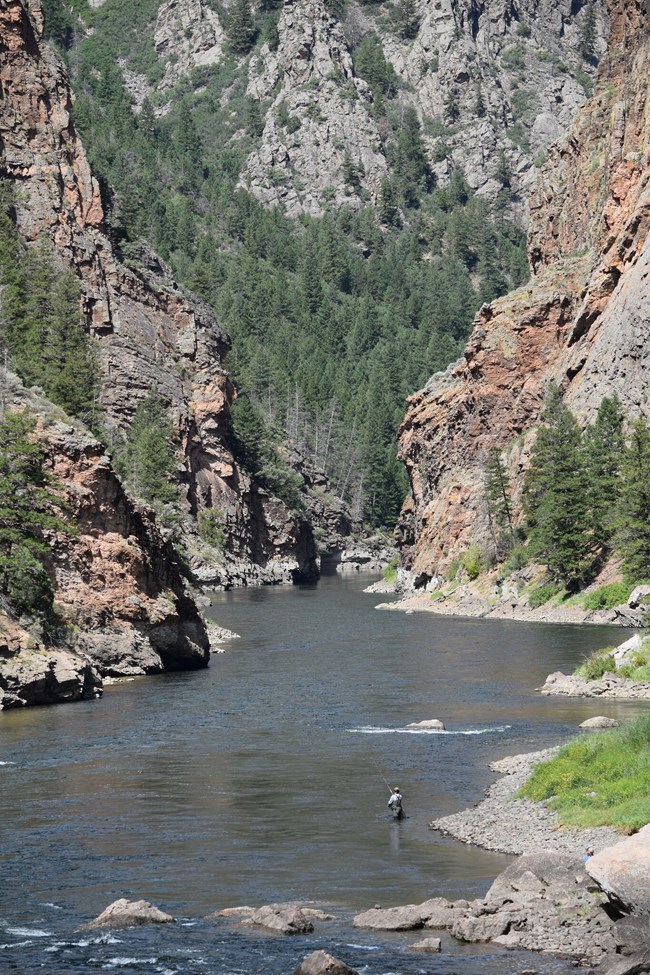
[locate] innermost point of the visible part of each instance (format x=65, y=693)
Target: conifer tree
x=587, y=43
x=407, y=19
x=557, y=506
x=241, y=28
x=604, y=450
x=633, y=534
x=148, y=463
x=497, y=493
x=26, y=513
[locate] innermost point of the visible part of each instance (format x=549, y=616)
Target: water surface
x=265, y=778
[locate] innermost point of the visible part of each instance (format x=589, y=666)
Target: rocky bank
x=580, y=320
x=121, y=599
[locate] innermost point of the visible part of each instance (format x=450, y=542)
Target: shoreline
x=503, y=824
x=474, y=607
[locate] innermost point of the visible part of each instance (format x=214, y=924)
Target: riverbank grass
x=600, y=780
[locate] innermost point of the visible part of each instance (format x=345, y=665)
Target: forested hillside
x=340, y=311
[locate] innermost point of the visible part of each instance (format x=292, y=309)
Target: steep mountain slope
x=150, y=334
x=582, y=320
x=489, y=78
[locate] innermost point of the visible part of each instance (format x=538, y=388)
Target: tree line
x=586, y=495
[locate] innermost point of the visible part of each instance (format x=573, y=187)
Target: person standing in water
x=395, y=803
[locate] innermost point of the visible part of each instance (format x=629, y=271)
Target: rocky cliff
x=120, y=597
x=582, y=319
x=485, y=78
x=149, y=333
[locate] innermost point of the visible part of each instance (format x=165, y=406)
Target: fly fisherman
x=395, y=803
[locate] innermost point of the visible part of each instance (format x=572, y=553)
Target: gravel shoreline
x=517, y=826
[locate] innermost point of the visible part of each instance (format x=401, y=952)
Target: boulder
x=623, y=651
x=638, y=964
x=600, y=721
x=320, y=963
x=285, y=919
x=427, y=945
x=483, y=928
x=632, y=934
x=123, y=913
x=431, y=723
x=638, y=596
x=406, y=918
x=623, y=872
x=242, y=911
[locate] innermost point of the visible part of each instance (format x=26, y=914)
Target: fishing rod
x=382, y=776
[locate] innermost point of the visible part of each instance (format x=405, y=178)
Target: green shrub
x=210, y=527
x=599, y=663
x=599, y=780
x=517, y=559
x=606, y=597
x=473, y=561
x=390, y=573
x=543, y=593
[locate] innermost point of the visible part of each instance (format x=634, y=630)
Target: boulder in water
x=428, y=945
x=600, y=721
x=320, y=963
x=431, y=723
x=123, y=913
x=282, y=919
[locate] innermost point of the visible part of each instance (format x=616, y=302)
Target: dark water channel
x=260, y=780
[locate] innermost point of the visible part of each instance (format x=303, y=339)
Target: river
x=264, y=779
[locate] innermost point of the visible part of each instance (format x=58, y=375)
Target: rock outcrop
x=188, y=35
x=149, y=333
x=320, y=143
x=120, y=594
x=579, y=321
x=523, y=106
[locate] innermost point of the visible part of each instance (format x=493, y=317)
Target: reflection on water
x=265, y=778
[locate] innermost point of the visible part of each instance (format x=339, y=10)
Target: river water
x=262, y=780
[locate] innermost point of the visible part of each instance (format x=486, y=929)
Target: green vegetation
x=557, y=496
x=40, y=325
x=210, y=523
x=28, y=512
x=334, y=321
x=606, y=597
x=542, y=594
x=390, y=573
x=598, y=663
x=599, y=780
x=147, y=460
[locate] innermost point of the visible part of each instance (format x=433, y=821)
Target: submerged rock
x=427, y=945
x=600, y=721
x=123, y=913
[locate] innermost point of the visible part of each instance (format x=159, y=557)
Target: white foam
x=17, y=944
x=53, y=907
x=365, y=947
x=370, y=730
x=28, y=932
x=7, y=763
x=116, y=962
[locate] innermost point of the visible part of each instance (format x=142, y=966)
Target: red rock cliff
x=148, y=331
x=582, y=320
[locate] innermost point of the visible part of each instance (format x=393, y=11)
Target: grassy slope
x=600, y=780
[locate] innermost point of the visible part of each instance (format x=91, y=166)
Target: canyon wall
x=582, y=320
x=148, y=331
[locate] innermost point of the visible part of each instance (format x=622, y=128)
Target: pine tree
x=148, y=464
x=241, y=28
x=27, y=512
x=556, y=488
x=587, y=42
x=604, y=448
x=407, y=19
x=633, y=527
x=499, y=504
